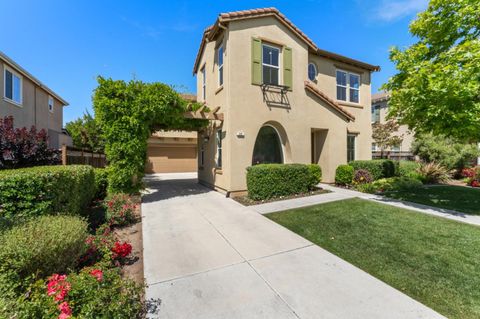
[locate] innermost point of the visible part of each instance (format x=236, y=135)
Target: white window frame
x=204, y=82
x=50, y=98
x=316, y=71
x=220, y=66
x=18, y=75
x=218, y=146
x=348, y=87
x=271, y=65
x=375, y=108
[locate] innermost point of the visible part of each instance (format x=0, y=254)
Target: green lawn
x=461, y=199
x=434, y=260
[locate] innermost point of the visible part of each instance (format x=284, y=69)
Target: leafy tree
x=128, y=113
x=384, y=135
x=22, y=147
x=437, y=87
x=86, y=133
x=445, y=151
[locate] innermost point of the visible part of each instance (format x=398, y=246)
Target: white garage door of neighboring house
x=171, y=159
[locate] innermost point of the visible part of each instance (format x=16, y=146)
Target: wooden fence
x=72, y=155
x=394, y=155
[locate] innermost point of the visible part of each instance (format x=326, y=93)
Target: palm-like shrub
x=432, y=173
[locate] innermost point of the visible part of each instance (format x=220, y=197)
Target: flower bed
x=93, y=286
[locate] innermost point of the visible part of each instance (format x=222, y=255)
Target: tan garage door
x=171, y=159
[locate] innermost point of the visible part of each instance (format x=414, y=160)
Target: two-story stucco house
x=379, y=115
x=31, y=102
x=282, y=100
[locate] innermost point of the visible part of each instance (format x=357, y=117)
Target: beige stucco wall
x=34, y=109
x=246, y=112
x=408, y=136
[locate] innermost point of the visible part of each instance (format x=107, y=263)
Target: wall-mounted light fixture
x=206, y=138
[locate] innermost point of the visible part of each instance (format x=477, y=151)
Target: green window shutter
x=287, y=67
x=256, y=61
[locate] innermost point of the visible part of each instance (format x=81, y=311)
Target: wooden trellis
x=201, y=114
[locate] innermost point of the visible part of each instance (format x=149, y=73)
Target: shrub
x=432, y=173
x=382, y=168
x=266, y=181
x=316, y=175
x=40, y=247
x=101, y=182
x=445, y=151
x=407, y=168
x=362, y=176
x=120, y=210
x=22, y=147
x=344, y=175
x=95, y=292
x=36, y=191
x=389, y=184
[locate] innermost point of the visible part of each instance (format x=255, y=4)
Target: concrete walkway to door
x=207, y=256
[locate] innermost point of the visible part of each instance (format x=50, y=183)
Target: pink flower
x=65, y=310
x=97, y=273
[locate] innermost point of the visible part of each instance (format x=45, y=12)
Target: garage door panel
x=168, y=159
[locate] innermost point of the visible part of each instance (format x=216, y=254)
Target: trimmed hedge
x=381, y=168
x=344, y=174
x=265, y=181
x=101, y=183
x=316, y=175
x=43, y=190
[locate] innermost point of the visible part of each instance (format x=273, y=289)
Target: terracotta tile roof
x=313, y=89
x=224, y=18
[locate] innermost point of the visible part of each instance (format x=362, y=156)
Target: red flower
x=65, y=310
x=475, y=183
x=121, y=250
x=58, y=286
x=97, y=273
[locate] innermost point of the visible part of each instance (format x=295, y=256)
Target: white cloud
x=390, y=10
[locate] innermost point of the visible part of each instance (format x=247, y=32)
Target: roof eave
x=28, y=75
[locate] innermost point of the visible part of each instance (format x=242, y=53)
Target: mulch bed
x=133, y=234
x=246, y=201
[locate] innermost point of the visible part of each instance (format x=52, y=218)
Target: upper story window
x=270, y=64
x=312, y=71
x=50, y=104
x=13, y=86
x=220, y=66
x=376, y=113
x=204, y=84
x=348, y=86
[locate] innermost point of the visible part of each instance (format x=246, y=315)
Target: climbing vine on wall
x=128, y=113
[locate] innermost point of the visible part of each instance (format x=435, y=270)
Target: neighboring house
x=31, y=102
x=172, y=151
x=280, y=97
x=379, y=114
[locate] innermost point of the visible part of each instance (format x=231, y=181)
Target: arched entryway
x=268, y=146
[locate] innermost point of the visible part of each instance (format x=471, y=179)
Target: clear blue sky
x=66, y=44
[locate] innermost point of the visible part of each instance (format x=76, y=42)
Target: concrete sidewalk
x=338, y=193
x=207, y=256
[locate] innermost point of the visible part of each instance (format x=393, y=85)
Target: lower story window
x=218, y=159
x=202, y=155
x=351, y=147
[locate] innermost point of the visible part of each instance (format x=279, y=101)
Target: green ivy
x=128, y=113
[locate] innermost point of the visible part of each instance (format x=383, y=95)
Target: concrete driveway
x=207, y=256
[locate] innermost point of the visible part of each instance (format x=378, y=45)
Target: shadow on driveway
x=159, y=188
